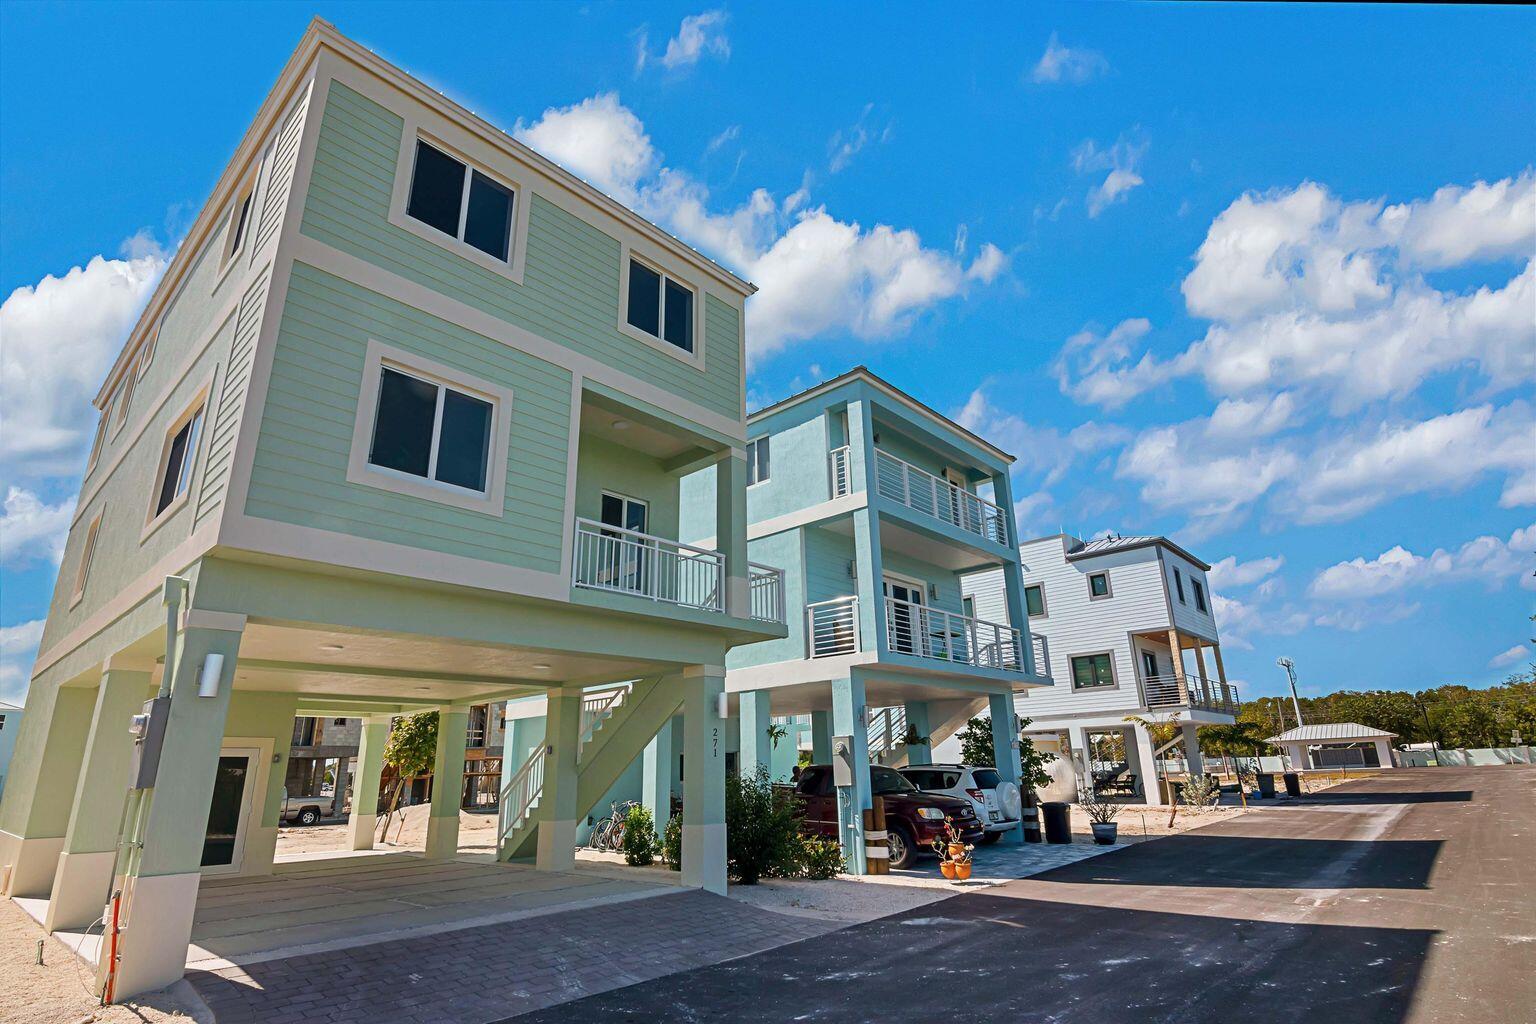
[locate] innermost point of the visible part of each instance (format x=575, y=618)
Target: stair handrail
x=520, y=792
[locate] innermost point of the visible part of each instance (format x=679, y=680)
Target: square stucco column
x=1194, y=764
x=83, y=880
x=1145, y=761
x=1005, y=748
x=162, y=881
x=40, y=785
x=1384, y=753
x=1082, y=757
x=821, y=737
x=756, y=745
x=656, y=775
x=848, y=719
x=919, y=720
x=556, y=850
x=364, y=818
x=731, y=531
x=447, y=783
x=704, y=779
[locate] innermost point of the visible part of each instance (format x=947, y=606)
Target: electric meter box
x=842, y=760
x=148, y=730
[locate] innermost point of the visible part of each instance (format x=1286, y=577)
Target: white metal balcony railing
x=832, y=627
x=916, y=629
x=923, y=492
x=610, y=558
x=837, y=470
x=886, y=730
x=1165, y=691
x=521, y=793
x=766, y=590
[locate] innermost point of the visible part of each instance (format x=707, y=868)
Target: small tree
x=410, y=751
x=639, y=843
x=976, y=748
x=1162, y=731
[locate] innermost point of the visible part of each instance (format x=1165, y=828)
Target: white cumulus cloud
x=1067, y=64
x=1119, y=161
x=1488, y=559
x=31, y=531
x=700, y=35
x=1519, y=652
x=1229, y=572
x=18, y=650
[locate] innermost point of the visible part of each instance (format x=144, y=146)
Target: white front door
x=229, y=811
x=904, y=626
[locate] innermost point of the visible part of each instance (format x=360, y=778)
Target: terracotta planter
x=962, y=870
x=948, y=869
x=956, y=851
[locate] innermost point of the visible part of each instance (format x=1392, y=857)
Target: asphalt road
x=1410, y=896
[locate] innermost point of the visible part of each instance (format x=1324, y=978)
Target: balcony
x=666, y=571
x=1169, y=691
x=936, y=498
x=832, y=628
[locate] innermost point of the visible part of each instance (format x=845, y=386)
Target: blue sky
x=1255, y=277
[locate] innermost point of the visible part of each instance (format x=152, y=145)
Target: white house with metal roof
x=1129, y=626
x=1336, y=745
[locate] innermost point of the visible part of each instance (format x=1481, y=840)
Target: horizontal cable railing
x=766, y=586
x=1168, y=691
x=832, y=627
x=837, y=468
x=923, y=492
x=925, y=632
x=887, y=729
x=1042, y=654
x=611, y=558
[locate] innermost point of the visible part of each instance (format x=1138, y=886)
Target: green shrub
x=820, y=858
x=639, y=843
x=672, y=843
x=762, y=829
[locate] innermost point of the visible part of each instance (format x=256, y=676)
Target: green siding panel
x=570, y=289
x=300, y=468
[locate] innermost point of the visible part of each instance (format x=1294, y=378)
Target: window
x=1034, y=599
x=1091, y=670
x=1148, y=664
x=177, y=461
x=660, y=306
x=239, y=223
x=87, y=550
x=124, y=399
x=1098, y=586
x=429, y=430
x=968, y=606
x=757, y=461
x=1178, y=584
x=149, y=347
x=885, y=781
x=1199, y=594
x=101, y=435
x=459, y=201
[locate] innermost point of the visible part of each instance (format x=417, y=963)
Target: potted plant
x=954, y=854
x=1101, y=818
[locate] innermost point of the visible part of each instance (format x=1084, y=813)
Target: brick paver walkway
x=474, y=975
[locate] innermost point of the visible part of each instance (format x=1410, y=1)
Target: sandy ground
x=477, y=832
x=58, y=992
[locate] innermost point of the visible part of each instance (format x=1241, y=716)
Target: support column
x=821, y=737
x=1005, y=748
x=40, y=787
x=1082, y=757
x=447, y=783
x=556, y=850
x=1146, y=764
x=656, y=776
x=83, y=879
x=1384, y=754
x=731, y=531
x=848, y=719
x=1178, y=663
x=162, y=880
x=919, y=719
x=704, y=784
x=756, y=745
x=866, y=530
x=364, y=819
x=1194, y=764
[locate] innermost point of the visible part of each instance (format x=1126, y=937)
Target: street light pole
x=1290, y=672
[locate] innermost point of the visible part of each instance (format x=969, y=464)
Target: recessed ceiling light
x=621, y=424
x=332, y=647
x=541, y=668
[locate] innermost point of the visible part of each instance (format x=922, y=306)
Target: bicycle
x=608, y=832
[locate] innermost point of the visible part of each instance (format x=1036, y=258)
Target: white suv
x=997, y=803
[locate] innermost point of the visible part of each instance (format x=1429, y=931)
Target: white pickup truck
x=303, y=810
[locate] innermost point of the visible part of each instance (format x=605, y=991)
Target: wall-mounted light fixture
x=208, y=676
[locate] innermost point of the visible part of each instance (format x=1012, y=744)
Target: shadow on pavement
x=1366, y=796
x=1244, y=862
x=982, y=957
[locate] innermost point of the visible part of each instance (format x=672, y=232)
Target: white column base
x=361, y=829
x=152, y=948
x=28, y=865
x=704, y=857
x=443, y=837
x=81, y=887
x=556, y=849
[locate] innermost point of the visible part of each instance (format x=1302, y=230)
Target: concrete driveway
x=1410, y=896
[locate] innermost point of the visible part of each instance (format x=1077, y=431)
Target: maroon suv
x=913, y=819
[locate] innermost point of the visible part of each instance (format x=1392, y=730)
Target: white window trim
x=694, y=358
x=361, y=471
x=750, y=444
x=152, y=341
x=232, y=247
x=476, y=157
x=628, y=498
x=100, y=440
x=153, y=522
x=125, y=390
x=87, y=555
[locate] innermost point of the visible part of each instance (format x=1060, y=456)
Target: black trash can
x=1031, y=823
x=1267, y=785
x=1292, y=784
x=1058, y=821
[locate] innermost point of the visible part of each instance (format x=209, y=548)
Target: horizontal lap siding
x=570, y=289
x=827, y=555
x=223, y=419
x=299, y=474
x=285, y=154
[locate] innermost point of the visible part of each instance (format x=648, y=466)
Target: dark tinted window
x=402, y=430
x=240, y=222
x=465, y=442
x=1092, y=670
x=986, y=778
x=644, y=298
x=1034, y=600
x=488, y=222
x=1098, y=585
x=922, y=778
x=679, y=316
x=1199, y=594
x=1178, y=584
x=175, y=459
x=437, y=189
x=810, y=781
x=884, y=780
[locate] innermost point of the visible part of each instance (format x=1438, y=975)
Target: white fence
x=923, y=492
x=626, y=561
x=767, y=592
x=832, y=627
